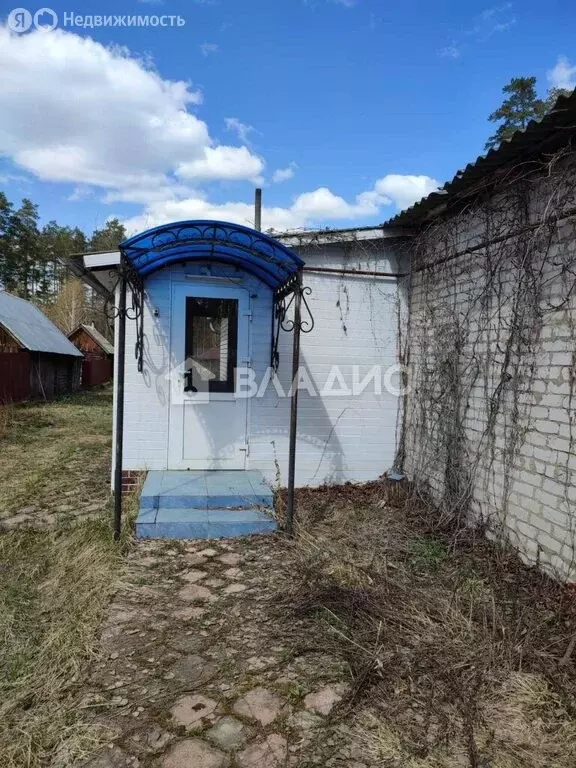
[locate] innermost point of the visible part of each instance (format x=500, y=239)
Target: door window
x=211, y=344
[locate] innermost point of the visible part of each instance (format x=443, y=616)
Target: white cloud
x=198, y=207
x=80, y=193
x=489, y=13
x=16, y=178
x=308, y=209
x=491, y=21
x=502, y=26
x=241, y=129
x=221, y=164
x=325, y=205
x=74, y=111
x=147, y=193
x=450, y=52
x=209, y=48
x=405, y=190
x=562, y=75
x=284, y=174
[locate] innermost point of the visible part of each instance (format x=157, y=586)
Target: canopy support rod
x=119, y=436
x=289, y=524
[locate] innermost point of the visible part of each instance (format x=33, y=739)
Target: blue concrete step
x=205, y=505
x=214, y=489
x=186, y=523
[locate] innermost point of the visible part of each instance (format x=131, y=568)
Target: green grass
x=428, y=554
x=55, y=584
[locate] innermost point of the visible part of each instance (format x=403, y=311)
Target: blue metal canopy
x=211, y=241
x=216, y=241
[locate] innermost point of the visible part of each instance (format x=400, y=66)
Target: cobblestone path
x=195, y=670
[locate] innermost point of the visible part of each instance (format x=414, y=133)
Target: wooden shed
x=36, y=358
x=98, y=363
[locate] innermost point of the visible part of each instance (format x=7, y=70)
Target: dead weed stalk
x=6, y=418
x=53, y=590
x=453, y=644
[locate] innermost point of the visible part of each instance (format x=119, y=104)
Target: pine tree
x=521, y=106
x=58, y=243
x=27, y=264
x=553, y=96
x=32, y=264
x=516, y=111
x=7, y=281
x=109, y=238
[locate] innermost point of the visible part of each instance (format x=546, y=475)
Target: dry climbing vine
x=491, y=342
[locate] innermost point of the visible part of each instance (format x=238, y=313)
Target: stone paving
x=197, y=670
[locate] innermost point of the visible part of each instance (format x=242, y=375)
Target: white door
x=210, y=328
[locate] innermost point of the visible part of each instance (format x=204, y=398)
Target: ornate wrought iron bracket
x=135, y=310
x=254, y=252
x=283, y=301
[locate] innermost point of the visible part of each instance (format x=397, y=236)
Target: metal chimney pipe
x=258, y=210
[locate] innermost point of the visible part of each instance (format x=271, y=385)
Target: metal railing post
x=120, y=372
x=290, y=507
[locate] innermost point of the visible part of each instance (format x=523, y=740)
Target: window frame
x=194, y=309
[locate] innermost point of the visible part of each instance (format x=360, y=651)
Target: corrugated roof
x=101, y=340
x=31, y=328
x=552, y=131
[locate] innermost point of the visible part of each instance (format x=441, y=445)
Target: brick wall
x=341, y=437
x=131, y=479
x=490, y=416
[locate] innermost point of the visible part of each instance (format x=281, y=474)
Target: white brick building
x=473, y=289
x=490, y=423
x=346, y=432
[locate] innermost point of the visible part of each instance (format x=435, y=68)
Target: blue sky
x=344, y=110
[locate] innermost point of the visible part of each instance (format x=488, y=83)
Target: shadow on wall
x=267, y=427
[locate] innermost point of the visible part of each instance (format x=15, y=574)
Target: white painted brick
x=558, y=519
x=535, y=438
x=540, y=481
x=552, y=487
x=548, y=428
x=527, y=530
x=543, y=455
x=339, y=439
x=548, y=543
x=561, y=442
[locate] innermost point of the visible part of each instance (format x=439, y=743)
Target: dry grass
x=55, y=584
x=55, y=457
x=454, y=645
x=6, y=418
x=53, y=590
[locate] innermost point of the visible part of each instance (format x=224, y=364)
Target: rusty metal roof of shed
x=105, y=345
x=31, y=328
x=554, y=130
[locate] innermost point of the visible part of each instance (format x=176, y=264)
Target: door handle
x=188, y=385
